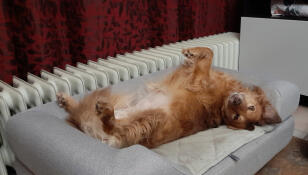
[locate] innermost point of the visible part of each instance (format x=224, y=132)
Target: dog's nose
x=236, y=99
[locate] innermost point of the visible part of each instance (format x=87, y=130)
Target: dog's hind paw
x=112, y=141
x=104, y=110
x=102, y=106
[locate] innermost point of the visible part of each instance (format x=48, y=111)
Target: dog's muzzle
x=236, y=99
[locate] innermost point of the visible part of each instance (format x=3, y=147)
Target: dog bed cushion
x=199, y=152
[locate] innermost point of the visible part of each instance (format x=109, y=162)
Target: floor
x=294, y=158
x=290, y=161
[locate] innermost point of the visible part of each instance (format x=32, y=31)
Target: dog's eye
x=252, y=108
x=236, y=116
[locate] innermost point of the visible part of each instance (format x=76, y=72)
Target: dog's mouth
x=250, y=126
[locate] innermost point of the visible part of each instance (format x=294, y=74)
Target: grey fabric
x=48, y=146
x=257, y=153
x=132, y=85
x=284, y=96
x=20, y=169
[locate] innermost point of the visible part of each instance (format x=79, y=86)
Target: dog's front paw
x=197, y=52
x=62, y=99
x=188, y=53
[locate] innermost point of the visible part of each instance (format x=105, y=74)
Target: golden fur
x=198, y=98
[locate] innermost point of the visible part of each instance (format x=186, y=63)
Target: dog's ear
x=269, y=115
x=257, y=90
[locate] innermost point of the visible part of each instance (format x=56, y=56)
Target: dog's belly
x=135, y=103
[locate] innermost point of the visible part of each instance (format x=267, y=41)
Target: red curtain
x=41, y=34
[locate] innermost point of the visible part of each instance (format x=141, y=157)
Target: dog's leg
x=200, y=73
x=67, y=102
x=106, y=112
x=202, y=59
x=134, y=129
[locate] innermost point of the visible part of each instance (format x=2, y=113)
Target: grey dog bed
x=45, y=145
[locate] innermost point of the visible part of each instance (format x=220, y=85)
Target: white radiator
x=87, y=77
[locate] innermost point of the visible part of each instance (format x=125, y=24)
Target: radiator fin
x=88, y=79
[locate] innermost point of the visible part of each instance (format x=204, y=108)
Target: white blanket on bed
x=201, y=151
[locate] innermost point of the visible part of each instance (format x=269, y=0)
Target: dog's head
x=244, y=110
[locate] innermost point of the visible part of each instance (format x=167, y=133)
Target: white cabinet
x=275, y=49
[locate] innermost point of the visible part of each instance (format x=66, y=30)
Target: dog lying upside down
x=191, y=99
